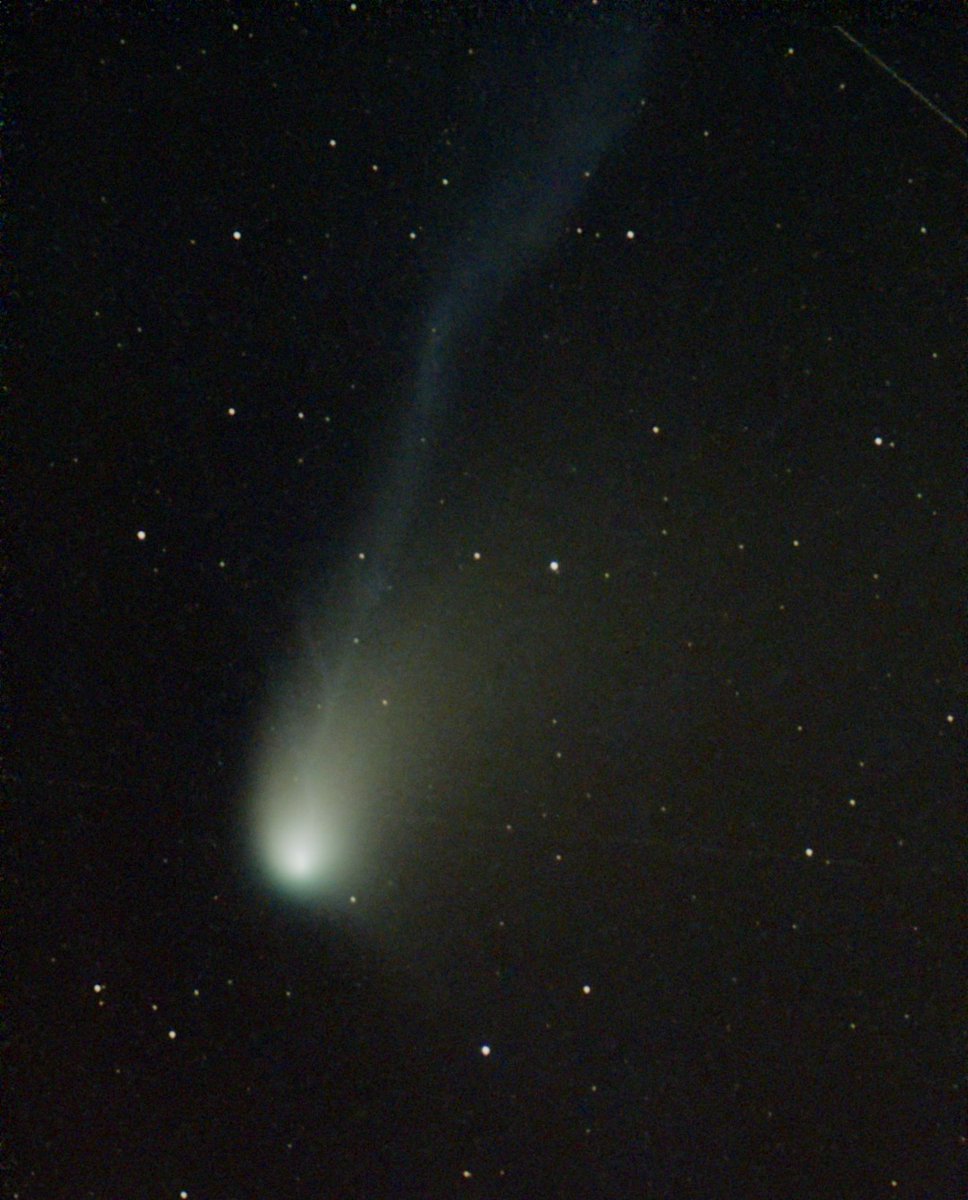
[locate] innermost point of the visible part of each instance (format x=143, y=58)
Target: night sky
x=482, y=603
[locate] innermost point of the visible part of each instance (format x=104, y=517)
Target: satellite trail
x=903, y=82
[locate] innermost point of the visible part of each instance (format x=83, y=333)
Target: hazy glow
x=303, y=825
x=299, y=849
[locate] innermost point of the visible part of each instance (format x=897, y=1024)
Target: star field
x=483, y=604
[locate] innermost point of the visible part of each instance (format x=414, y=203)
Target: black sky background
x=750, y=650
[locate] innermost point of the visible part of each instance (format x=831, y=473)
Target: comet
x=319, y=774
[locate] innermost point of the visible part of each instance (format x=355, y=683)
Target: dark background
x=607, y=777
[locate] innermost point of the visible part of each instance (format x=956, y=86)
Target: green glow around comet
x=303, y=827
